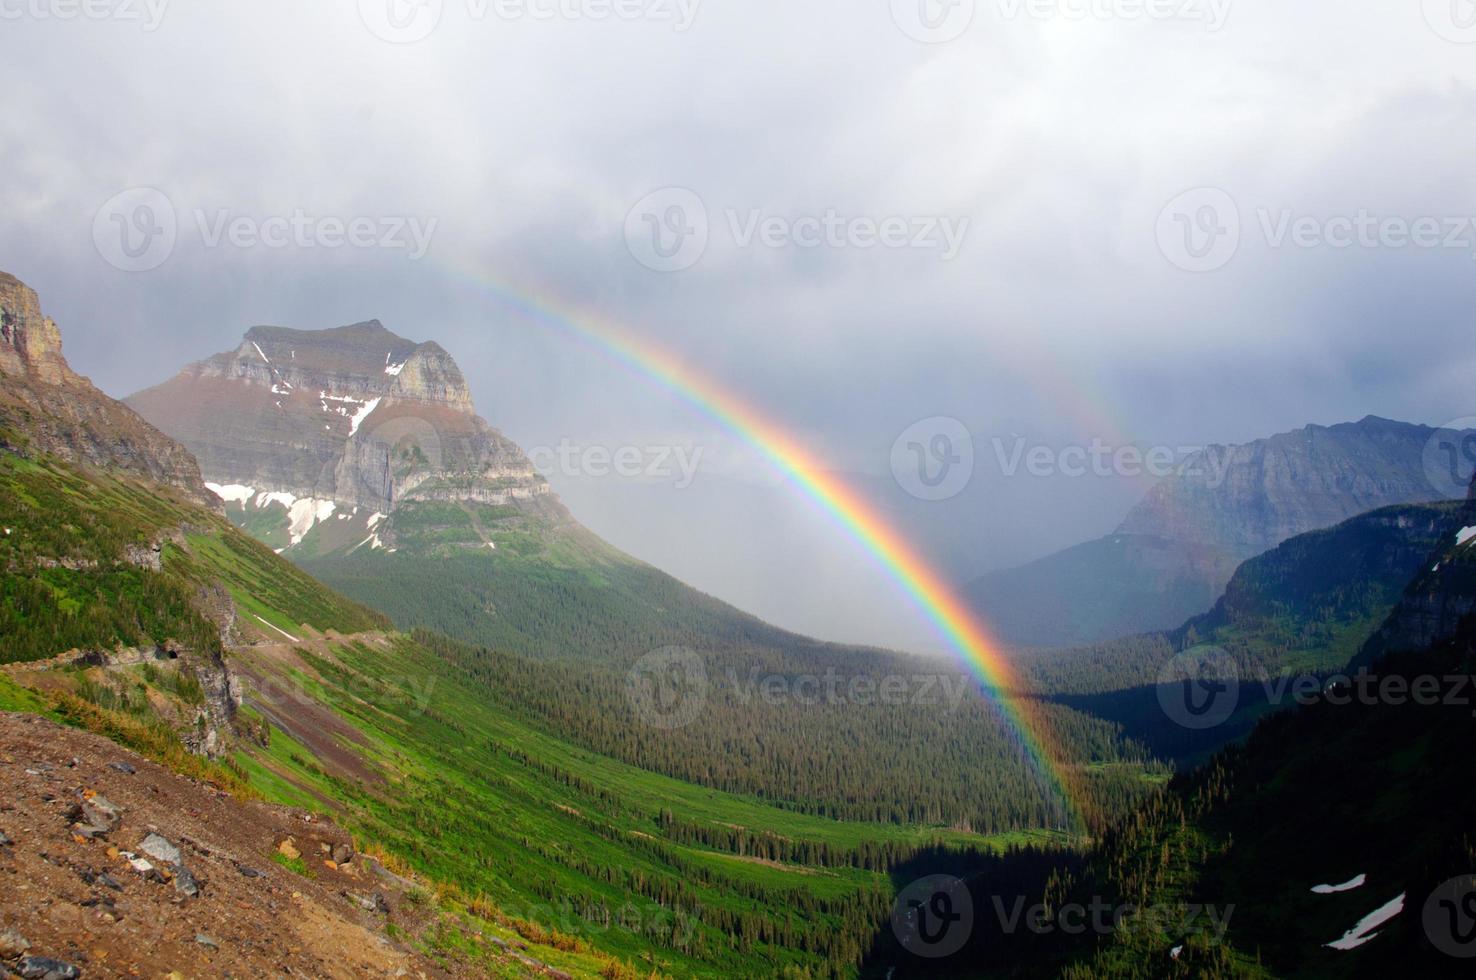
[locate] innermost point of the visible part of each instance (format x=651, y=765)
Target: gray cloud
x=528, y=141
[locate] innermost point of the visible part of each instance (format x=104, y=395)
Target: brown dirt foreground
x=82, y=902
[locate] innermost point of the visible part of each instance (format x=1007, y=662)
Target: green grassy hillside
x=524, y=793
x=77, y=552
x=933, y=750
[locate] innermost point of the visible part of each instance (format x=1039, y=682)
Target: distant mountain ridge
x=1249, y=498
x=47, y=407
x=1174, y=553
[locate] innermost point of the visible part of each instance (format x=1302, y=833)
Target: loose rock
x=95, y=817
x=12, y=944
x=46, y=968
x=185, y=883
x=160, y=849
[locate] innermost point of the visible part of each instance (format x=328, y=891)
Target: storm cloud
x=1156, y=222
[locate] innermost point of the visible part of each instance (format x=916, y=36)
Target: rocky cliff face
x=1248, y=499
x=1440, y=597
x=47, y=407
x=30, y=343
x=354, y=417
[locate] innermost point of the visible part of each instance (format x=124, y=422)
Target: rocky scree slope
x=115, y=866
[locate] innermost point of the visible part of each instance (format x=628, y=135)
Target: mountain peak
x=367, y=332
x=329, y=414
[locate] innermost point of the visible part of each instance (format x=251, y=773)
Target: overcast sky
x=1162, y=223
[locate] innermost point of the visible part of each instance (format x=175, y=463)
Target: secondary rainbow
x=923, y=584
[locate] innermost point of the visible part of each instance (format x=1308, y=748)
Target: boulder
x=161, y=849
x=46, y=968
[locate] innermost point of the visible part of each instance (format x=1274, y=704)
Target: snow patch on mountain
x=1347, y=886
x=365, y=410
x=304, y=514
x=231, y=493
x=1364, y=930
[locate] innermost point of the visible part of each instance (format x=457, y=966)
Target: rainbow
x=923, y=584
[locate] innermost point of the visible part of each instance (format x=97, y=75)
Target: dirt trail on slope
x=83, y=902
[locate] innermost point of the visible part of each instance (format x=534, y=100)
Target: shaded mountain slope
x=1335, y=842
x=1308, y=604
x=1103, y=589
x=1174, y=552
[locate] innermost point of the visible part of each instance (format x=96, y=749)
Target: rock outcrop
x=1248, y=499
x=1440, y=597
x=354, y=417
x=46, y=407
